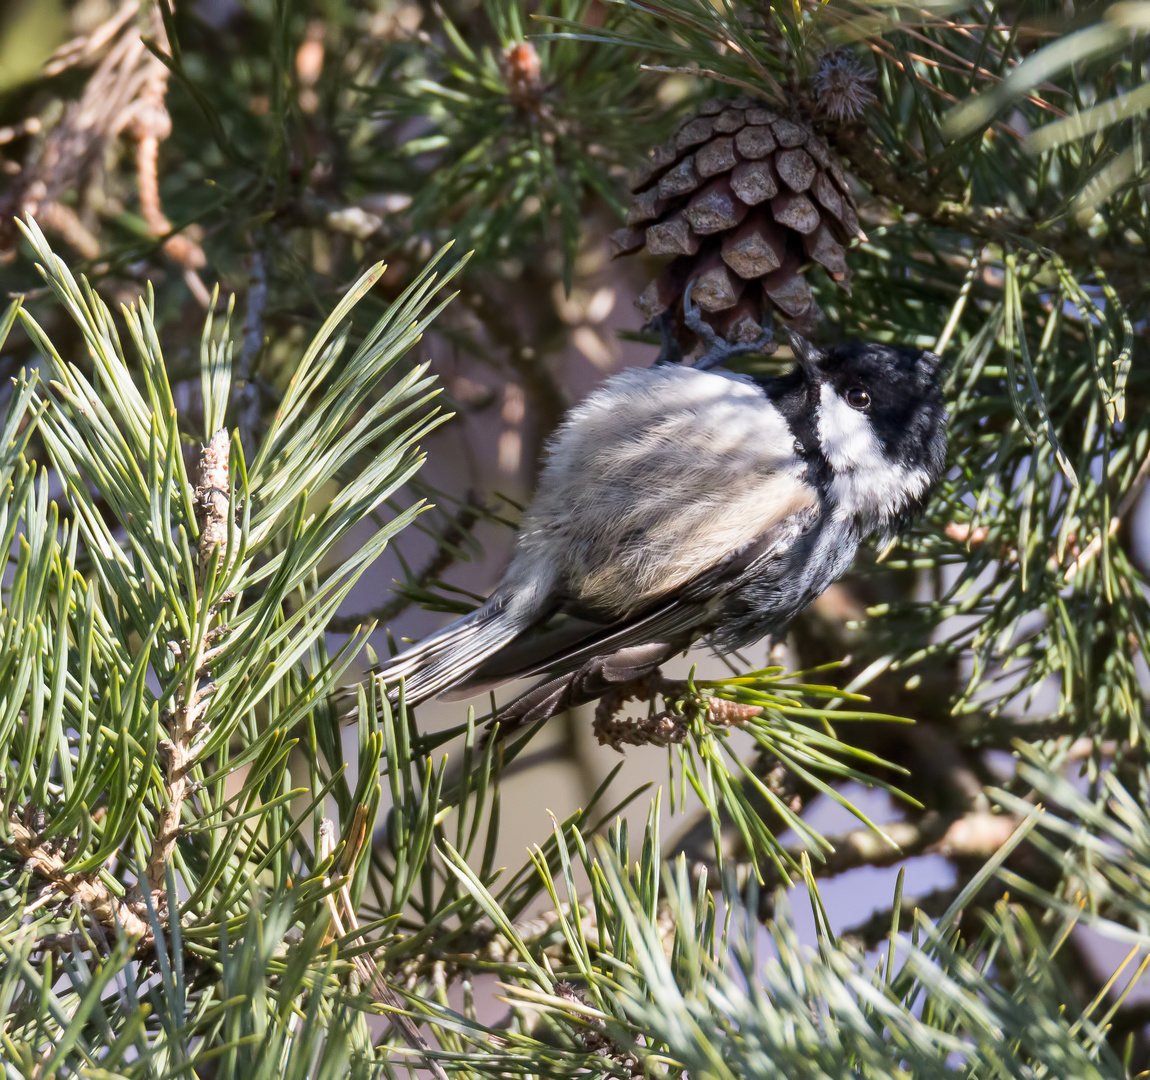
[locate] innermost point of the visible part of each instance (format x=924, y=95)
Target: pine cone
x=744, y=199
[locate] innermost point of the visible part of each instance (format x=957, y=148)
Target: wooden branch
x=213, y=511
x=109, y=911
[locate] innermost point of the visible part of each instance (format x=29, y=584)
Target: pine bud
x=731, y=713
x=843, y=85
x=522, y=71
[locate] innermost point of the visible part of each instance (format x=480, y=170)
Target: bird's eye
x=858, y=398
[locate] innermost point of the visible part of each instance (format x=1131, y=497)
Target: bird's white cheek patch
x=848, y=441
x=865, y=482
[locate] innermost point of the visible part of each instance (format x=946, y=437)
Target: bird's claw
x=716, y=350
x=695, y=321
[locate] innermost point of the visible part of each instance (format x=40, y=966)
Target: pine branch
x=186, y=728
x=116, y=916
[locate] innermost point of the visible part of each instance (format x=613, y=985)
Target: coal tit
x=678, y=504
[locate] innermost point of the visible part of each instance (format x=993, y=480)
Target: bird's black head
x=880, y=422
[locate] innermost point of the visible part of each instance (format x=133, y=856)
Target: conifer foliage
x=216, y=863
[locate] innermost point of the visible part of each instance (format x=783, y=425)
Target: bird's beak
x=806, y=354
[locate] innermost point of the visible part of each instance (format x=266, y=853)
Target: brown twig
x=185, y=724
x=670, y=725
x=151, y=125
x=86, y=46
x=709, y=73
x=109, y=911
x=74, y=149
x=125, y=93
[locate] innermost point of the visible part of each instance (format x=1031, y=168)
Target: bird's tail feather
x=446, y=657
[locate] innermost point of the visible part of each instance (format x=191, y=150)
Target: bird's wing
x=442, y=659
x=568, y=643
x=558, y=649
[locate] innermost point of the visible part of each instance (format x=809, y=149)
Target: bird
x=685, y=502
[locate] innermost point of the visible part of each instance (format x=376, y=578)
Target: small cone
x=744, y=198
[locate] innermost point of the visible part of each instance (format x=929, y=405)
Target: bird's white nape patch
x=865, y=483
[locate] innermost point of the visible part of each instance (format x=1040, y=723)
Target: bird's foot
x=717, y=351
